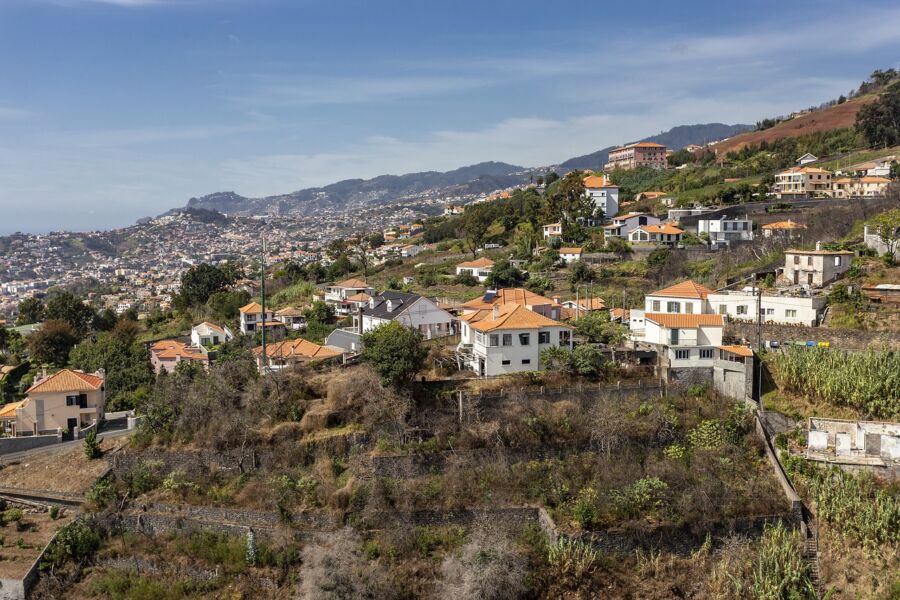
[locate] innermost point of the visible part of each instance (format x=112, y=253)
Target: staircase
x=811, y=557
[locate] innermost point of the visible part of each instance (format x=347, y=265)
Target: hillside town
x=671, y=367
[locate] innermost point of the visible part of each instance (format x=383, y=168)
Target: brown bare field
x=19, y=549
x=833, y=117
x=67, y=472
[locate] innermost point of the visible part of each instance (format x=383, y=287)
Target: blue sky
x=111, y=110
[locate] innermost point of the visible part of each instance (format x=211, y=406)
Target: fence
x=642, y=388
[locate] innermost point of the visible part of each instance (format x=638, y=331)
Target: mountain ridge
x=479, y=178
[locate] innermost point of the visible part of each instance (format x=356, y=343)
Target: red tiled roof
x=683, y=321
x=67, y=380
x=685, y=289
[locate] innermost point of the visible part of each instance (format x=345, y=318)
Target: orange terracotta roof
x=254, y=308
x=739, y=350
x=508, y=296
x=874, y=179
x=297, y=350
x=620, y=313
x=360, y=297
x=290, y=311
x=67, y=380
x=568, y=250
x=661, y=228
x=785, y=225
x=8, y=411
x=683, y=321
x=685, y=289
x=479, y=263
x=597, y=181
x=509, y=316
x=553, y=225
x=352, y=284
x=172, y=349
x=212, y=326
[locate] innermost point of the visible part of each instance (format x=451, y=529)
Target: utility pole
x=757, y=290
x=262, y=291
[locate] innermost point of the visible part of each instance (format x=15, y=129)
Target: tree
x=467, y=279
x=225, y=304
x=105, y=320
x=395, y=352
x=586, y=360
x=887, y=227
x=879, y=121
x=53, y=342
x=319, y=312
x=200, y=282
x=504, y=274
x=476, y=221
x=31, y=310
x=66, y=307
x=551, y=177
x=127, y=364
x=580, y=272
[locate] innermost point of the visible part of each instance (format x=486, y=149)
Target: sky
x=112, y=110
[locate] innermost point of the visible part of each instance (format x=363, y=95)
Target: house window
x=524, y=339
x=656, y=306
x=495, y=340
x=479, y=337
x=507, y=339
x=742, y=309
x=809, y=261
x=723, y=309
x=543, y=337
x=706, y=353
x=682, y=354
x=837, y=261
x=796, y=260
x=504, y=362
x=790, y=313
x=71, y=400
x=526, y=361
x=564, y=337
x=688, y=308
x=673, y=307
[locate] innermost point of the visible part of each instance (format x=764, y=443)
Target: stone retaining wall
x=10, y=445
x=845, y=339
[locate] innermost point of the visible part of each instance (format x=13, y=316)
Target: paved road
x=59, y=448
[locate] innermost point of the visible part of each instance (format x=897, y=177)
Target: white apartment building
x=508, y=338
x=803, y=182
x=553, y=230
x=603, y=193
x=779, y=309
x=338, y=294
x=687, y=340
x=252, y=317
x=663, y=234
x=570, y=255
x=209, y=334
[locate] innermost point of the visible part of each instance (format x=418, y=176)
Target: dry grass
x=20, y=548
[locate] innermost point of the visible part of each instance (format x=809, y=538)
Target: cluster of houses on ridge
x=864, y=180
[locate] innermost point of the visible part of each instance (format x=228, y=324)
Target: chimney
x=495, y=311
x=555, y=299
x=818, y=246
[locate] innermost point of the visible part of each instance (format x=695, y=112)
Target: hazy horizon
x=115, y=110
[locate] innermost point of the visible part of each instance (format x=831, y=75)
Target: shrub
x=708, y=435
x=585, y=510
x=103, y=492
x=92, y=445
x=75, y=542
x=54, y=512
x=12, y=515
x=572, y=559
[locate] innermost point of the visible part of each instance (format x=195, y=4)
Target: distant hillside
x=833, y=117
x=480, y=178
x=674, y=139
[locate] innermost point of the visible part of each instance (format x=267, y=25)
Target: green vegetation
x=869, y=381
x=879, y=121
x=92, y=445
x=395, y=352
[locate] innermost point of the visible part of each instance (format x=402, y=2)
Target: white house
x=815, y=268
x=689, y=340
x=252, y=318
x=785, y=229
x=479, y=268
x=779, y=309
x=209, y=334
x=410, y=250
x=291, y=317
x=553, y=230
x=724, y=230
x=410, y=310
x=603, y=193
x=663, y=234
x=570, y=254
x=625, y=224
x=337, y=294
x=508, y=338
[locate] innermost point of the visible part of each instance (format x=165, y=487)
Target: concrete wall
x=20, y=444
